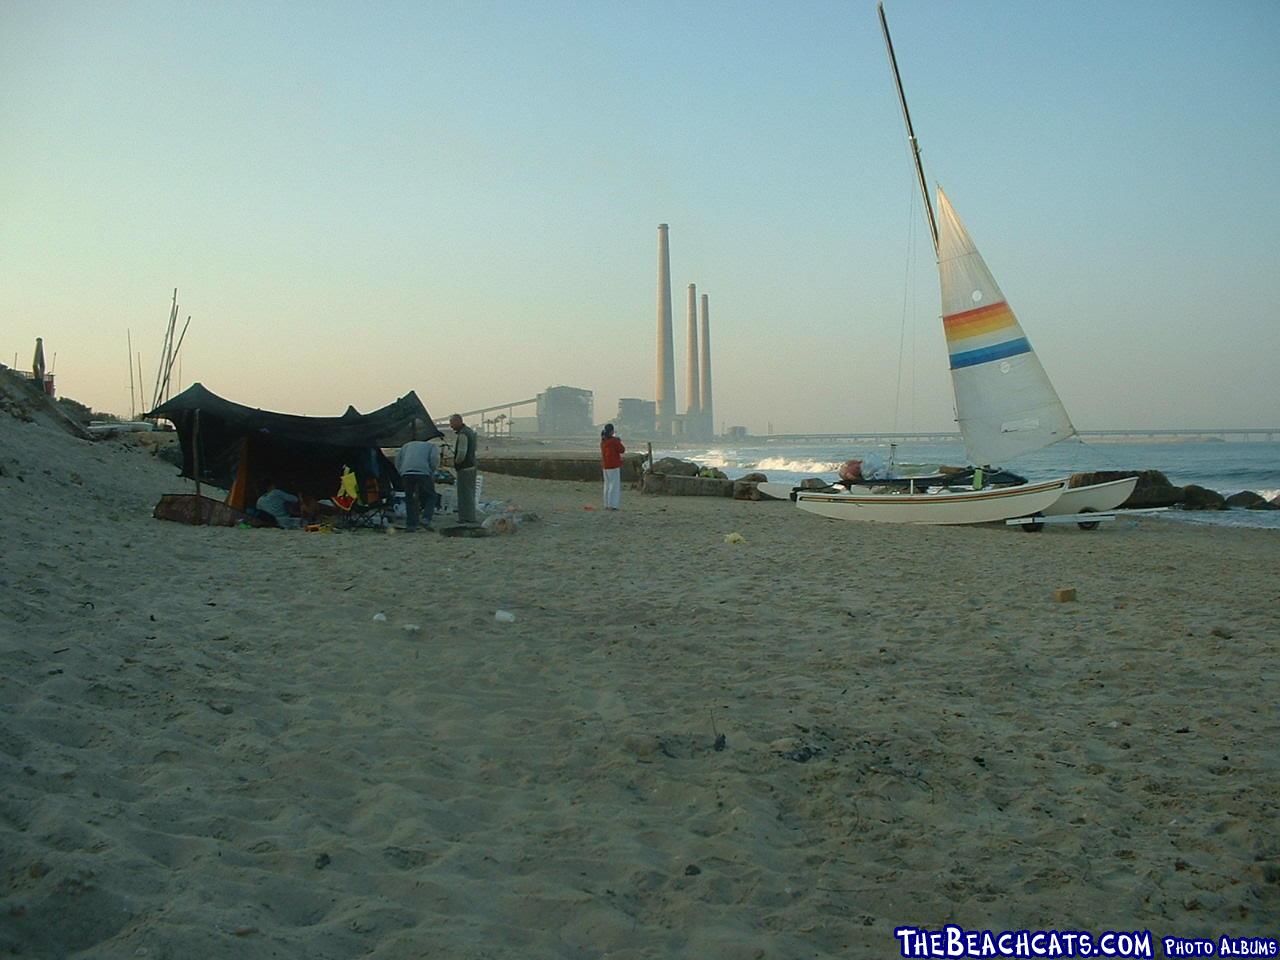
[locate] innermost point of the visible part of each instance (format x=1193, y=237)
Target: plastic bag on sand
x=734, y=538
x=379, y=618
x=505, y=616
x=500, y=524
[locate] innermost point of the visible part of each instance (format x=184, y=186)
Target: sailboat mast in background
x=133, y=410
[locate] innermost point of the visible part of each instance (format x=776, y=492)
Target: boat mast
x=911, y=134
x=133, y=411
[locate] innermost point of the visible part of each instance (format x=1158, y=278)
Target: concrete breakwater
x=558, y=466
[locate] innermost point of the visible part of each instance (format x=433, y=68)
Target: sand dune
x=208, y=747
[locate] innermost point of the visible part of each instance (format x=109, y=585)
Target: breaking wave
x=746, y=461
x=798, y=466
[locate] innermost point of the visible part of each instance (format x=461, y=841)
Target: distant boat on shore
x=110, y=427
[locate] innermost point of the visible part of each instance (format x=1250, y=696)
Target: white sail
x=1005, y=404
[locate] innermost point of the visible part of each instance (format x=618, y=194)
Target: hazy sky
x=462, y=198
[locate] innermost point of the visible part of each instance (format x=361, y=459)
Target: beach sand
x=209, y=748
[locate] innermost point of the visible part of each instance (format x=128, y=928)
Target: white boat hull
x=1096, y=498
x=968, y=506
x=776, y=489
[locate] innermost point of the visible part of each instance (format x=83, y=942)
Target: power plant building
x=636, y=418
x=566, y=412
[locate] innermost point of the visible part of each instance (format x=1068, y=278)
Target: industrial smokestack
x=708, y=414
x=693, y=392
x=665, y=395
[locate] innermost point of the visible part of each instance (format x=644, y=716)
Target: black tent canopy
x=231, y=446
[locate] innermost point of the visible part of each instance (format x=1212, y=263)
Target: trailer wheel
x=1035, y=526
x=1088, y=524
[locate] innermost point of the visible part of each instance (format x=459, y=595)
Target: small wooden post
x=195, y=454
x=651, y=456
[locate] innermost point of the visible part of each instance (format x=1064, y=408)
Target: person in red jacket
x=611, y=451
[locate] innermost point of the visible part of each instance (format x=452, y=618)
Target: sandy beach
x=209, y=747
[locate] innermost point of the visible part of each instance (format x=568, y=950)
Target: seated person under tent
x=283, y=506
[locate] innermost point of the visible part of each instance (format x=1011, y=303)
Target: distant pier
x=1264, y=434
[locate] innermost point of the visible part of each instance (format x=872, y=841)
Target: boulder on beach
x=1195, y=497
x=747, y=490
x=755, y=478
x=1248, y=500
x=1153, y=489
x=813, y=483
x=675, y=467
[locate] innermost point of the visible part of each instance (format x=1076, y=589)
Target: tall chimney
x=693, y=393
x=708, y=414
x=665, y=395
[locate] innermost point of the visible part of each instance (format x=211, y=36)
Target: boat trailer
x=1089, y=520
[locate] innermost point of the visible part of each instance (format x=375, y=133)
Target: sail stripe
x=974, y=323
x=983, y=311
x=1010, y=348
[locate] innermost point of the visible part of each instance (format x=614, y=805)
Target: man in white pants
x=611, y=451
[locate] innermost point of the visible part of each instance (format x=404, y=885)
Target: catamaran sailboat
x=1005, y=403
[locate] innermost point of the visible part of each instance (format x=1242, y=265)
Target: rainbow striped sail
x=1005, y=404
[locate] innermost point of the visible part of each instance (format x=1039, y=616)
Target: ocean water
x=1226, y=466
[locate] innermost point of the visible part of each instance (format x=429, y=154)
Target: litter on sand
x=505, y=616
x=500, y=524
x=734, y=538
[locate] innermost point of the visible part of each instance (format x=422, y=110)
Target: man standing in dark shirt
x=464, y=464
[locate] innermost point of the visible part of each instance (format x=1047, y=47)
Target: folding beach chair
x=364, y=506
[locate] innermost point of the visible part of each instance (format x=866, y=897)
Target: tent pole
x=195, y=452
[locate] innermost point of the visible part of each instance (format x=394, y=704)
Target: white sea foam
x=750, y=461
x=718, y=458
x=797, y=466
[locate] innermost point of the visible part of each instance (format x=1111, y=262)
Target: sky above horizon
x=462, y=199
